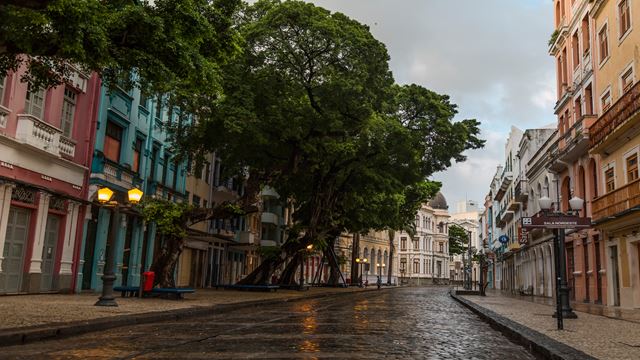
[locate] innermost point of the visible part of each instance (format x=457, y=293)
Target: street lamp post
x=563, y=308
x=303, y=256
x=360, y=262
x=109, y=277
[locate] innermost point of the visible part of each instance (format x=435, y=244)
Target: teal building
x=131, y=150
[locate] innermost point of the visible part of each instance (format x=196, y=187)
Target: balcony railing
x=521, y=193
x=44, y=136
x=617, y=201
x=616, y=115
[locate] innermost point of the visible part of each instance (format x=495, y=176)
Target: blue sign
x=503, y=239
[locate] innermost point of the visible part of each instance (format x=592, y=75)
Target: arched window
x=546, y=189
x=366, y=253
x=582, y=191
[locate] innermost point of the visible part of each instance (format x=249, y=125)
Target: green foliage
x=311, y=108
x=170, y=217
x=458, y=240
x=173, y=45
x=554, y=37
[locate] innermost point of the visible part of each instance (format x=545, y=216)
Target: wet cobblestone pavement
x=404, y=323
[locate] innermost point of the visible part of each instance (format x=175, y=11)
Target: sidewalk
x=598, y=331
x=31, y=317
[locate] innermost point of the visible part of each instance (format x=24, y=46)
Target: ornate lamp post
x=360, y=262
x=559, y=221
x=104, y=198
x=304, y=253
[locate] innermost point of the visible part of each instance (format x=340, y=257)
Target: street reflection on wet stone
x=396, y=323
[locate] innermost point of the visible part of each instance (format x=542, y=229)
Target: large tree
x=171, y=45
x=458, y=240
x=310, y=107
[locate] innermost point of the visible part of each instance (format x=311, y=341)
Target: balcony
x=617, y=124
x=37, y=133
x=222, y=194
x=504, y=217
x=505, y=180
x=246, y=237
x=617, y=202
x=575, y=142
x=269, y=218
x=521, y=193
x=513, y=204
x=268, y=243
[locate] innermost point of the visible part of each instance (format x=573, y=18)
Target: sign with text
x=556, y=222
x=523, y=235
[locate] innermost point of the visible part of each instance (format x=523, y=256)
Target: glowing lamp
x=135, y=195
x=104, y=194
x=310, y=247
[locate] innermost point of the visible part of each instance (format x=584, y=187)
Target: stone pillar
x=35, y=268
x=83, y=244
x=119, y=247
x=99, y=255
x=5, y=206
x=68, y=245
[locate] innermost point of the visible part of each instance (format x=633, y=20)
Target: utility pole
x=355, y=251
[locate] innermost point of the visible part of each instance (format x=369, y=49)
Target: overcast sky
x=490, y=56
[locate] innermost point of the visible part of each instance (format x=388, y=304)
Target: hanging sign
x=503, y=239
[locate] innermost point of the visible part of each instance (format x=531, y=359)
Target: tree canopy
x=458, y=240
x=311, y=109
x=171, y=45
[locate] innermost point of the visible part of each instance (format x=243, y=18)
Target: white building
x=470, y=222
x=424, y=258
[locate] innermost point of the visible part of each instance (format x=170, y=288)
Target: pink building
x=46, y=142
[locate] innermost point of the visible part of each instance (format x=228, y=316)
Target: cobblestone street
x=396, y=323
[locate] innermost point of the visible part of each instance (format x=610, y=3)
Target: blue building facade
x=131, y=150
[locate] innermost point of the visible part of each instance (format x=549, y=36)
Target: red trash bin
x=149, y=276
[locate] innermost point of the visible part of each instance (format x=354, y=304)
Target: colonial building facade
x=46, y=139
x=424, y=257
x=615, y=140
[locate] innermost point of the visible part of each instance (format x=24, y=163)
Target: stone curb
x=17, y=336
x=538, y=344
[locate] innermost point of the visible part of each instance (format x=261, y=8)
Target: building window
x=626, y=80
x=196, y=200
x=575, y=49
x=416, y=266
x=403, y=264
x=2, y=78
x=603, y=41
x=137, y=149
x=154, y=163
x=34, y=103
x=159, y=108
x=112, y=142
x=416, y=244
x=624, y=16
x=632, y=168
x=605, y=100
x=207, y=174
x=586, y=39
x=441, y=247
x=204, y=204
x=609, y=179
x=144, y=100
x=403, y=243
x=68, y=111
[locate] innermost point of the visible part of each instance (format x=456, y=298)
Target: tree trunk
x=355, y=251
x=392, y=235
x=164, y=263
x=290, y=271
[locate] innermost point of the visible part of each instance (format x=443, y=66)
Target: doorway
x=15, y=247
x=615, y=276
x=49, y=249
x=596, y=245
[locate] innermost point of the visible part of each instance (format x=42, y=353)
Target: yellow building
x=615, y=136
